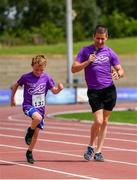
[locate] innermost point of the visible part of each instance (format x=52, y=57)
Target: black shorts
x=102, y=98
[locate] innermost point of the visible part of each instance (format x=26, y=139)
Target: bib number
x=38, y=100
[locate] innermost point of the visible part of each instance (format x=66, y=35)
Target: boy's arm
x=56, y=90
x=13, y=92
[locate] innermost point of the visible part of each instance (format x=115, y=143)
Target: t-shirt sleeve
x=83, y=55
x=114, y=58
x=50, y=83
x=21, y=81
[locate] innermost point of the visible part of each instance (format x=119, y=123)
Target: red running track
x=59, y=150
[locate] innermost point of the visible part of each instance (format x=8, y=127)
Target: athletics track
x=59, y=150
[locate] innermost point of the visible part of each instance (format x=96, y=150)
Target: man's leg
x=103, y=130
x=101, y=136
x=95, y=128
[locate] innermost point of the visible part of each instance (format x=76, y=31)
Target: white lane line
x=83, y=136
x=45, y=151
x=70, y=135
x=86, y=130
x=85, y=123
x=70, y=143
x=50, y=170
x=72, y=129
x=67, y=154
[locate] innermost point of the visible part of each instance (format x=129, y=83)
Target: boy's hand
x=60, y=86
x=12, y=103
x=56, y=90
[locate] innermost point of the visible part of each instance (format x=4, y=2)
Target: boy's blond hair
x=40, y=60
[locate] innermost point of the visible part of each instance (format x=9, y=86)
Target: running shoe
x=29, y=135
x=29, y=157
x=89, y=153
x=98, y=157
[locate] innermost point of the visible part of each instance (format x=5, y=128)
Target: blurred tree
x=37, y=12
x=120, y=25
x=20, y=18
x=87, y=15
x=4, y=12
x=129, y=8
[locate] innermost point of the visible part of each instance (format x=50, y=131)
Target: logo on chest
x=101, y=59
x=37, y=89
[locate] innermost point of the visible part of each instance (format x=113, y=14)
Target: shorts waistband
x=106, y=88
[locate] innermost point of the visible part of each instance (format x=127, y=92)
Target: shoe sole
x=87, y=158
x=29, y=161
x=101, y=160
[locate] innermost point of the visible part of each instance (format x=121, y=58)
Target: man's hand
x=92, y=58
x=115, y=75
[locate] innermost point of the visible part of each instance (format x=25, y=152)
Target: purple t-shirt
x=98, y=74
x=35, y=90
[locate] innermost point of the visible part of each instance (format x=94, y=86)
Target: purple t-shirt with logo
x=98, y=74
x=35, y=90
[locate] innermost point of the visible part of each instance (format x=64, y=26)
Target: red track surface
x=59, y=150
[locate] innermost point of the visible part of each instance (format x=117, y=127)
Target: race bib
x=38, y=100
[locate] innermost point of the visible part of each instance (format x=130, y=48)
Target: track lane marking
x=83, y=123
x=67, y=154
x=50, y=170
x=72, y=143
x=67, y=134
x=74, y=129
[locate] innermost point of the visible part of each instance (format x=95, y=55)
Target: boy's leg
x=29, y=155
x=34, y=139
x=36, y=119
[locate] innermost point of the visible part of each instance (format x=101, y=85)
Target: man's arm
x=118, y=72
x=78, y=66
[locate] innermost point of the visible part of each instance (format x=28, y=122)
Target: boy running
x=36, y=85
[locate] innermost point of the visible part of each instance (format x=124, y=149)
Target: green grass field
x=121, y=46
x=116, y=116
